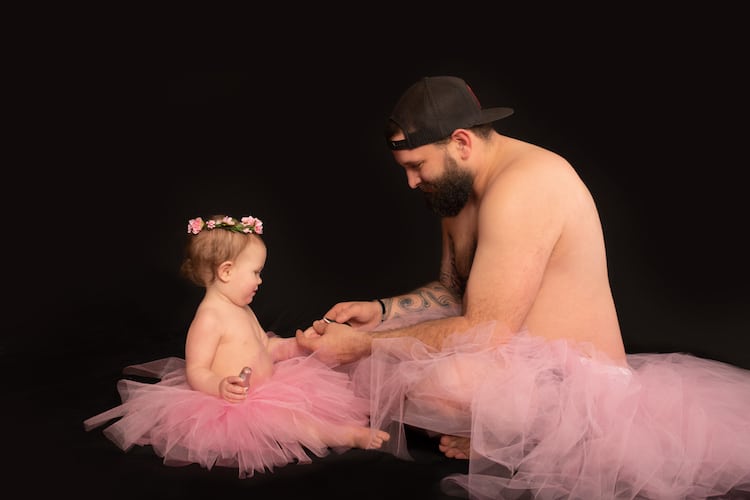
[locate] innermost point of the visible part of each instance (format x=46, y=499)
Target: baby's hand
x=309, y=333
x=233, y=388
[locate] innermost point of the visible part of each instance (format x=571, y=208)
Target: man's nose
x=413, y=179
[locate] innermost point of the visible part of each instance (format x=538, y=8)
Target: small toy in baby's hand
x=245, y=376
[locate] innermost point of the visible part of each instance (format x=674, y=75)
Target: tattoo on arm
x=452, y=282
x=449, y=276
x=432, y=295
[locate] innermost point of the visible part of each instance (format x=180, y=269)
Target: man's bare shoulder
x=537, y=186
x=520, y=160
x=530, y=171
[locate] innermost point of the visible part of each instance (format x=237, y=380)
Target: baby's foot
x=455, y=446
x=369, y=439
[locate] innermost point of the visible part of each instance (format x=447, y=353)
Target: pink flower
x=252, y=225
x=195, y=225
x=245, y=225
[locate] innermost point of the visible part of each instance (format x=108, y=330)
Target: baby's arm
x=282, y=348
x=200, y=348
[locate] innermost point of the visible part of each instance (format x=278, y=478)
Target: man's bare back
x=562, y=271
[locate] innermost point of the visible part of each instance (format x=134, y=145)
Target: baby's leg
x=368, y=439
x=343, y=435
x=354, y=436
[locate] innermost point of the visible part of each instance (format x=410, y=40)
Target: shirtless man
x=522, y=243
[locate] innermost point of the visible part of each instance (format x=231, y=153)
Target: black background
x=124, y=135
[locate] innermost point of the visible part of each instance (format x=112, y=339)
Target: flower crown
x=244, y=225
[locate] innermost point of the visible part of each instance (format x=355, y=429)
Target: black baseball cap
x=433, y=107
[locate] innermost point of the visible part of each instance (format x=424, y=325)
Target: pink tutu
x=547, y=417
x=272, y=427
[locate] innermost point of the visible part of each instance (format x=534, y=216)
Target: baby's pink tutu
x=270, y=428
x=547, y=417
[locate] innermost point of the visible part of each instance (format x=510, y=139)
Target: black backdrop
x=141, y=137
x=297, y=141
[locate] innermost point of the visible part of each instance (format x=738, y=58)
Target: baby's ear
x=225, y=270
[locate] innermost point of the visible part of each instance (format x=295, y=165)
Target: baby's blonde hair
x=205, y=251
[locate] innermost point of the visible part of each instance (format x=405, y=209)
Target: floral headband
x=244, y=225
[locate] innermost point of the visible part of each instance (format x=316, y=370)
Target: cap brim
x=490, y=115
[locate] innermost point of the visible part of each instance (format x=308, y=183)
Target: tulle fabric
x=553, y=419
x=274, y=426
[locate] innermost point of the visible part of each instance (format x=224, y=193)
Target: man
x=522, y=240
x=515, y=357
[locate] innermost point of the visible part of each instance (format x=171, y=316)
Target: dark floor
x=103, y=470
x=48, y=451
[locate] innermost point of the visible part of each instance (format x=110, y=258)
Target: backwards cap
x=432, y=108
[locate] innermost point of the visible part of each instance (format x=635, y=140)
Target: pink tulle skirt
x=545, y=417
x=274, y=426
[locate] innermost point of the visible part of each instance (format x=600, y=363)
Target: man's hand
x=334, y=343
x=362, y=315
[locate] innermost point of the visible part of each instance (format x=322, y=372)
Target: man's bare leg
x=455, y=446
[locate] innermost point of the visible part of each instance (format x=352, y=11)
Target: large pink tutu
x=272, y=427
x=549, y=418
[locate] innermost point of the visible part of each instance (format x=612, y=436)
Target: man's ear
x=462, y=139
x=224, y=271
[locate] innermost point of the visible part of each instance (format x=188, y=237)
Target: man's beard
x=450, y=192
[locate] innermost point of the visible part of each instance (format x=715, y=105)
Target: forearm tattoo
x=426, y=297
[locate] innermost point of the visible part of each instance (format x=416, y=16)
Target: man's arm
x=440, y=298
x=433, y=300
x=519, y=223
x=433, y=297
